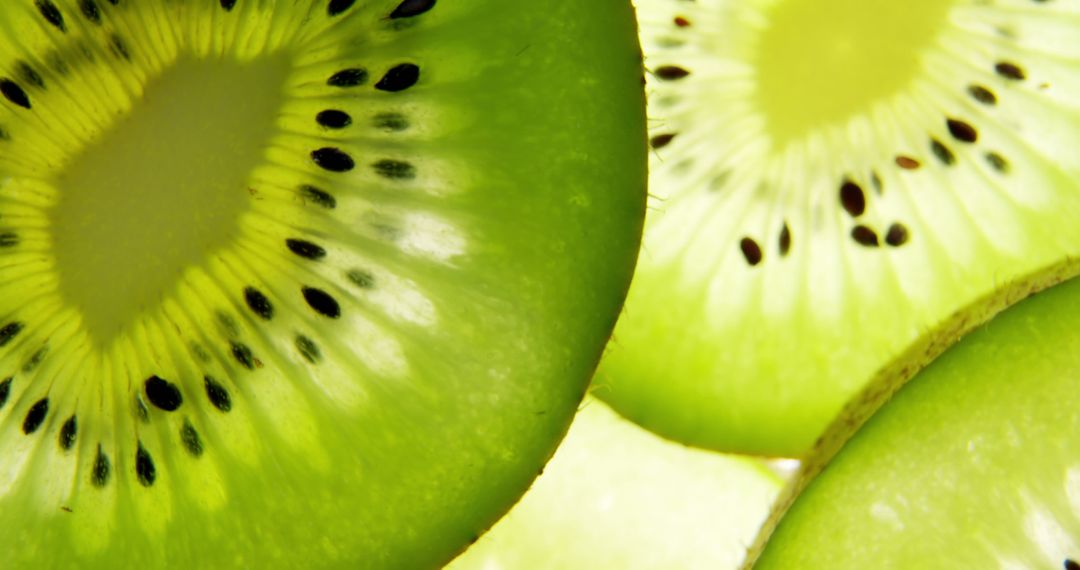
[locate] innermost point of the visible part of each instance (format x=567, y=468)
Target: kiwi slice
x=301, y=283
x=975, y=463
x=618, y=497
x=833, y=179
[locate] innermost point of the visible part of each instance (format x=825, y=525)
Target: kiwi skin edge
x=890, y=379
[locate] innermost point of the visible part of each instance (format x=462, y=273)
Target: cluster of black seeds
x=852, y=198
x=163, y=394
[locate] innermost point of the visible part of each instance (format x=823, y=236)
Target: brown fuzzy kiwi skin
x=891, y=378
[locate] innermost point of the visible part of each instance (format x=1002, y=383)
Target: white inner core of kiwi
x=163, y=187
x=822, y=61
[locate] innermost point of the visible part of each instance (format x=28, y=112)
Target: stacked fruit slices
x=841, y=190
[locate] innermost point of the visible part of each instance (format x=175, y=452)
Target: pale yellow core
x=824, y=61
x=163, y=188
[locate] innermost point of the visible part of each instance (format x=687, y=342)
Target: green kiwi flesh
x=831, y=181
x=973, y=463
x=618, y=497
x=301, y=283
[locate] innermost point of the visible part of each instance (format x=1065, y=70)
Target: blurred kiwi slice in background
x=832, y=180
x=974, y=463
x=617, y=497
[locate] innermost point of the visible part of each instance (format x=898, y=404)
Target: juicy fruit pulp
x=616, y=497
x=301, y=283
x=832, y=180
x=975, y=463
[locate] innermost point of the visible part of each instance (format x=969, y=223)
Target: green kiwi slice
x=616, y=496
x=832, y=179
x=974, y=463
x=301, y=283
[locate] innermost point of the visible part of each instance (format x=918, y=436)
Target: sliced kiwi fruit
x=301, y=283
x=832, y=179
x=974, y=463
x=618, y=497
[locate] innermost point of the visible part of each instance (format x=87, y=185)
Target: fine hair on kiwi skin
x=314, y=283
x=989, y=411
x=830, y=181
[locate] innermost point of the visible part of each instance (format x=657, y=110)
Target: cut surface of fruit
x=832, y=180
x=974, y=463
x=618, y=497
x=307, y=284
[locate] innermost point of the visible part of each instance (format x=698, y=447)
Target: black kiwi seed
x=144, y=466
x=751, y=251
x=332, y=159
x=9, y=239
x=5, y=391
x=1010, y=71
x=90, y=10
x=982, y=95
x=242, y=353
x=391, y=121
x=217, y=394
x=321, y=302
x=852, y=198
x=348, y=78
x=30, y=75
x=995, y=160
x=51, y=13
x=333, y=119
x=863, y=235
x=395, y=169
x=1071, y=564
x=362, y=279
x=12, y=92
x=228, y=5
x=308, y=349
x=119, y=47
x=338, y=6
x=399, y=78
x=318, y=196
x=141, y=410
x=36, y=416
x=962, y=131
x=191, y=440
x=785, y=240
x=99, y=476
x=35, y=359
x=660, y=141
x=305, y=249
x=942, y=152
x=897, y=235
x=68, y=431
x=9, y=331
x=671, y=72
x=258, y=303
x=410, y=8
x=163, y=394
